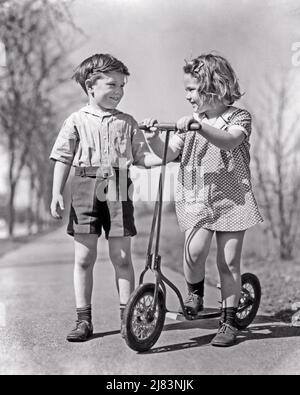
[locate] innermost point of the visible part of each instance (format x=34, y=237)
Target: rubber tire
x=249, y=278
x=131, y=340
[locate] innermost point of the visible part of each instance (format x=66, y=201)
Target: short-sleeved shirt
x=90, y=137
x=214, y=189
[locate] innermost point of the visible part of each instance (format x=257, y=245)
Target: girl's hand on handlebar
x=184, y=123
x=151, y=131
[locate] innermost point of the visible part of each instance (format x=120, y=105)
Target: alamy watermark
x=184, y=184
x=296, y=54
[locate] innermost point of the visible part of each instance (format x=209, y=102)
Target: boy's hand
x=151, y=130
x=184, y=123
x=56, y=205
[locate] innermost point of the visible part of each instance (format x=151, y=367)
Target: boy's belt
x=93, y=171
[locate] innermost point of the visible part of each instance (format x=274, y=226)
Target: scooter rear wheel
x=142, y=324
x=249, y=301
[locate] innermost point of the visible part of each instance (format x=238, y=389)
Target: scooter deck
x=208, y=312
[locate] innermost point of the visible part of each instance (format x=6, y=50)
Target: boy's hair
x=92, y=67
x=216, y=76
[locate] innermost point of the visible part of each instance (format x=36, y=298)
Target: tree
x=36, y=62
x=276, y=158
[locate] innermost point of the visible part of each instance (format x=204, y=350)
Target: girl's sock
x=85, y=314
x=223, y=316
x=228, y=315
x=197, y=289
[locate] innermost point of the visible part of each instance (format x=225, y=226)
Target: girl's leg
x=85, y=258
x=120, y=255
x=230, y=246
x=196, y=249
x=228, y=258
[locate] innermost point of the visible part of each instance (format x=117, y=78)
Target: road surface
x=37, y=311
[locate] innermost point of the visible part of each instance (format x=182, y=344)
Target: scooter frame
x=153, y=259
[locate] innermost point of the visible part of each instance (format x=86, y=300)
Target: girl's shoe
x=193, y=304
x=226, y=336
x=81, y=333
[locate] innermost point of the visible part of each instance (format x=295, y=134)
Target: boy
x=101, y=143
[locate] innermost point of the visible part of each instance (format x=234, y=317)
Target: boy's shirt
x=91, y=138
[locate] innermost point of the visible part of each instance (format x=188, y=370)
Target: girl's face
x=198, y=101
x=108, y=90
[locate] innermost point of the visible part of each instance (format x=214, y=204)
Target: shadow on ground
x=284, y=315
x=100, y=335
x=264, y=327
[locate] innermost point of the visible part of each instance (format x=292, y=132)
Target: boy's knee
x=85, y=261
x=120, y=260
x=85, y=250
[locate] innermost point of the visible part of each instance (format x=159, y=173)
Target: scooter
x=146, y=310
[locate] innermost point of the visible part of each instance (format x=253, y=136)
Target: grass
x=7, y=245
x=11, y=244
x=279, y=279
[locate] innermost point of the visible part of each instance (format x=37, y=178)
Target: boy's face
x=191, y=86
x=108, y=90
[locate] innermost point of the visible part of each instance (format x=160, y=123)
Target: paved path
x=37, y=310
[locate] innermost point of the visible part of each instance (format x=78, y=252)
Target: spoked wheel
x=144, y=322
x=249, y=301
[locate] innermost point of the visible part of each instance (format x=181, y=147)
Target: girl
x=214, y=193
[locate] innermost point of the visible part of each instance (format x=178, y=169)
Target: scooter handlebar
x=169, y=127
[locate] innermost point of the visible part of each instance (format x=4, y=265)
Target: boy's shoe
x=225, y=337
x=193, y=304
x=81, y=333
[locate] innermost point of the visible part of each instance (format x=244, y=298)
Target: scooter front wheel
x=143, y=322
x=249, y=300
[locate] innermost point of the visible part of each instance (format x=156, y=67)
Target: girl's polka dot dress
x=214, y=188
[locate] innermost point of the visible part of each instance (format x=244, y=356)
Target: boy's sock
x=197, y=289
x=122, y=310
x=85, y=314
x=229, y=315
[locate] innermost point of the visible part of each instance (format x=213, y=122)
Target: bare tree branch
x=31, y=31
x=276, y=167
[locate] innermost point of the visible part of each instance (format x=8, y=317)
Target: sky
x=153, y=37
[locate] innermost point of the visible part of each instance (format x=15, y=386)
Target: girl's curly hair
x=217, y=78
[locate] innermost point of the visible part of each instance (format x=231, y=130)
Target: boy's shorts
x=97, y=203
